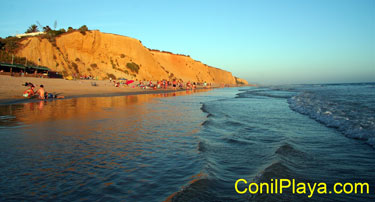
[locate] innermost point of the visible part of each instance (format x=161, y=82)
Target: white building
x=29, y=34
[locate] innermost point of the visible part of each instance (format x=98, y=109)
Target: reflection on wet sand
x=105, y=148
x=40, y=111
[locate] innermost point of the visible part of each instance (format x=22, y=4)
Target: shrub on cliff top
x=83, y=29
x=52, y=34
x=32, y=28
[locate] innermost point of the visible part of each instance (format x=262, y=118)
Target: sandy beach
x=11, y=88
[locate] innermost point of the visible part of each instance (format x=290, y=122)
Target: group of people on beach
x=40, y=93
x=160, y=84
x=165, y=84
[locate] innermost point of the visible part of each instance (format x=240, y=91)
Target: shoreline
x=22, y=100
x=11, y=89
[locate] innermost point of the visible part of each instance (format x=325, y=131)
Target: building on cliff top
x=29, y=34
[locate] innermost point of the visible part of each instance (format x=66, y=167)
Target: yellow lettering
x=334, y=188
x=284, y=186
x=256, y=188
x=322, y=188
x=236, y=186
x=301, y=188
x=351, y=188
x=361, y=185
x=275, y=186
x=261, y=187
x=294, y=186
x=311, y=189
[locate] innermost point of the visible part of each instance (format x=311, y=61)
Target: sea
x=204, y=145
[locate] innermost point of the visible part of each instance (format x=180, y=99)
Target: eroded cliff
x=108, y=55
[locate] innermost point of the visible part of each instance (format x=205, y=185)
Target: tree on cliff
x=9, y=44
x=47, y=28
x=83, y=29
x=32, y=28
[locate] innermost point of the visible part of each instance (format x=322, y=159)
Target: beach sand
x=11, y=88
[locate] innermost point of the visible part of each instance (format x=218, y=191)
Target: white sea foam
x=354, y=119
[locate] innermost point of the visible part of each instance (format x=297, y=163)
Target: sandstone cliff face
x=187, y=69
x=241, y=81
x=105, y=55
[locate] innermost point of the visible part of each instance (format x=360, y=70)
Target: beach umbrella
x=129, y=82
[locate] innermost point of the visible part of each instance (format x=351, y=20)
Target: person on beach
x=174, y=83
x=41, y=92
x=158, y=84
x=28, y=84
x=29, y=93
x=188, y=85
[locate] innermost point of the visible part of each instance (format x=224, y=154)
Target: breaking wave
x=353, y=119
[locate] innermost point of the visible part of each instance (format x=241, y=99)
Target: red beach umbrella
x=129, y=82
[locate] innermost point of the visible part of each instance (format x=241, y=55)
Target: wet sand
x=11, y=88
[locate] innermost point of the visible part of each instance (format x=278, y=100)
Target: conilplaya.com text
x=280, y=186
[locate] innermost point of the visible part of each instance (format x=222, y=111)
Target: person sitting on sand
x=41, y=92
x=174, y=84
x=29, y=92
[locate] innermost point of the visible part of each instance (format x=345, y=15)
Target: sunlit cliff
x=108, y=55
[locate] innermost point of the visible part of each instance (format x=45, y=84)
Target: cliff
x=108, y=55
x=187, y=69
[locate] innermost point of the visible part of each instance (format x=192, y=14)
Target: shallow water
x=256, y=136
x=139, y=147
x=191, y=147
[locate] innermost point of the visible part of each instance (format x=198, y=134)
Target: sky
x=262, y=41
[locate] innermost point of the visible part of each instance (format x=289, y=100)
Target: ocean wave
x=293, y=156
x=289, y=151
x=204, y=108
x=236, y=141
x=203, y=190
x=202, y=147
x=274, y=93
x=353, y=120
x=276, y=170
x=214, y=109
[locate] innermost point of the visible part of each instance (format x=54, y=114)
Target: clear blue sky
x=263, y=41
